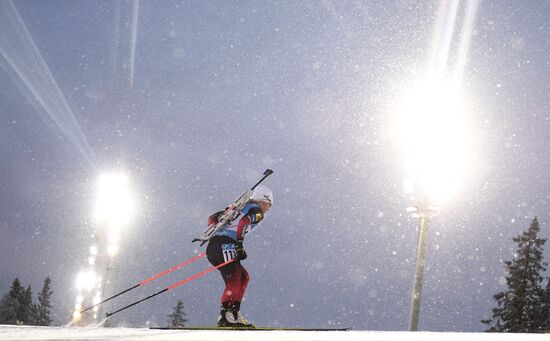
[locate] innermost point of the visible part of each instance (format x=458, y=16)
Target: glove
x=241, y=253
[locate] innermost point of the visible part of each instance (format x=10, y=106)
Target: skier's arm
x=244, y=222
x=252, y=217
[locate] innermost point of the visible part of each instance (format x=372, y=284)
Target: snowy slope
x=14, y=333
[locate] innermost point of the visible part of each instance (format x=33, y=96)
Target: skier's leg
x=244, y=279
x=232, y=274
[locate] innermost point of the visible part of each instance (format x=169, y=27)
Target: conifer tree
x=520, y=308
x=176, y=319
x=10, y=305
x=25, y=311
x=42, y=310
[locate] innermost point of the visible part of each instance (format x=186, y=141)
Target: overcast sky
x=195, y=99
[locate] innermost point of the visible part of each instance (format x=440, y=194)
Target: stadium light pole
x=433, y=130
x=432, y=135
x=424, y=213
x=114, y=209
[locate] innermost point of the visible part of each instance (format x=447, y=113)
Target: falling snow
x=193, y=100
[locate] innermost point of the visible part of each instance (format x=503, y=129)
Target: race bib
x=229, y=252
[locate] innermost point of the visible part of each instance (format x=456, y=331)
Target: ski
x=257, y=328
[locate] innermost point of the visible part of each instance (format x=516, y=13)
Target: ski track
x=26, y=333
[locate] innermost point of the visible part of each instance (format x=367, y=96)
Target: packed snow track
x=16, y=333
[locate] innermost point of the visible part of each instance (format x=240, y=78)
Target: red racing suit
x=222, y=247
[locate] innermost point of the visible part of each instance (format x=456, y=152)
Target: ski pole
x=147, y=280
x=189, y=279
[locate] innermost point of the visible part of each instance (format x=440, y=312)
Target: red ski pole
x=200, y=255
x=189, y=279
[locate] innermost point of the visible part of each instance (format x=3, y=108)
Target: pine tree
x=10, y=305
x=521, y=307
x=176, y=319
x=25, y=309
x=42, y=310
x=7, y=311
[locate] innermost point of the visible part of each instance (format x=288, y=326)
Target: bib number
x=229, y=252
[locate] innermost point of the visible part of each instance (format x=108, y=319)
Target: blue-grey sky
x=195, y=99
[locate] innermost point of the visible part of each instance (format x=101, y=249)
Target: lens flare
x=35, y=80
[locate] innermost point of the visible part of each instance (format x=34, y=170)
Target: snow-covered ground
x=15, y=333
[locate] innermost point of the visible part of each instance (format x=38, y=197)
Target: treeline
x=18, y=307
x=524, y=307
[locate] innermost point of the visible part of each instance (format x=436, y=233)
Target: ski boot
x=226, y=318
x=232, y=317
x=239, y=318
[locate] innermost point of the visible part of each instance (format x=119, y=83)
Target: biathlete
x=227, y=244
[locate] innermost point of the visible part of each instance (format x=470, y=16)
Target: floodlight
x=114, y=237
x=115, y=202
x=433, y=136
x=112, y=249
x=86, y=281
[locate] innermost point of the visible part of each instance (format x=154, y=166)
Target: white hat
x=262, y=193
